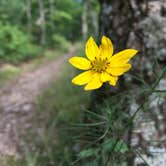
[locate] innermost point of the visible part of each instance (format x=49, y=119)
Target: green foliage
x=108, y=145
x=7, y=73
x=15, y=44
x=91, y=163
x=8, y=161
x=30, y=158
x=87, y=153
x=67, y=19
x=59, y=15
x=60, y=42
x=11, y=13
x=54, y=145
x=21, y=31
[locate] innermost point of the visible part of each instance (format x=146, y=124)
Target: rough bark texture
x=136, y=24
x=140, y=24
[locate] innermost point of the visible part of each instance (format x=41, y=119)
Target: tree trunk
x=84, y=20
x=29, y=15
x=51, y=8
x=116, y=20
x=42, y=22
x=93, y=18
x=127, y=23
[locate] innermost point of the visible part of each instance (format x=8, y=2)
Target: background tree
x=51, y=23
x=90, y=11
x=41, y=22
x=85, y=20
x=29, y=15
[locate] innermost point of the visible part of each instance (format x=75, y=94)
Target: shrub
x=15, y=45
x=60, y=42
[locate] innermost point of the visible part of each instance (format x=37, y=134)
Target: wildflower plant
x=105, y=131
x=101, y=66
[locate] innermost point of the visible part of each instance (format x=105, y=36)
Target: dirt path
x=17, y=100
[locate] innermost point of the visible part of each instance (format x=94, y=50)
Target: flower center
x=100, y=65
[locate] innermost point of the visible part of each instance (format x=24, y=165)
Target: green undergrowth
x=47, y=56
x=93, y=138
x=63, y=98
x=8, y=161
x=16, y=45
x=56, y=110
x=7, y=73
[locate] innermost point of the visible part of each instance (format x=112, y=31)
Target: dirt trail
x=17, y=100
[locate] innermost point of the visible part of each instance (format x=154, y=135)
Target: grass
x=48, y=55
x=63, y=98
x=7, y=161
x=49, y=143
x=56, y=109
x=9, y=72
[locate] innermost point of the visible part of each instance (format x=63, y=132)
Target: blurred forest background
x=27, y=26
x=47, y=121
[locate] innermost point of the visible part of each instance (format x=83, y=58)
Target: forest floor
x=17, y=99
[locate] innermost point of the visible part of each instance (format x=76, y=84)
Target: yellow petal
x=95, y=82
x=122, y=57
x=91, y=49
x=113, y=80
x=119, y=70
x=105, y=77
x=80, y=63
x=83, y=78
x=106, y=47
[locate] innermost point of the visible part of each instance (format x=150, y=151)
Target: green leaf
x=112, y=145
x=87, y=153
x=91, y=163
x=59, y=15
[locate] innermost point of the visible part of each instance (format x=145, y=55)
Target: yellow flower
x=101, y=65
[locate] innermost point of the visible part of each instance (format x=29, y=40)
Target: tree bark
x=116, y=20
x=126, y=22
x=93, y=18
x=84, y=20
x=140, y=25
x=42, y=22
x=29, y=15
